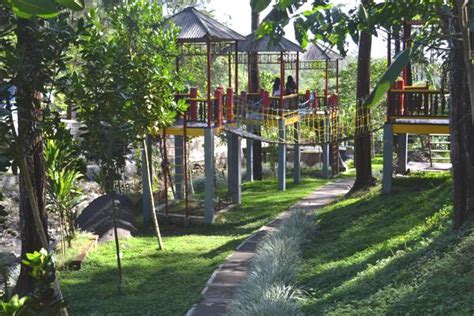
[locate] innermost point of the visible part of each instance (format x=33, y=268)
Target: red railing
x=198, y=107
x=417, y=102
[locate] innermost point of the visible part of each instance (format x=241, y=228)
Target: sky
x=236, y=13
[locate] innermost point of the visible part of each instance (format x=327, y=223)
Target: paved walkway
x=224, y=282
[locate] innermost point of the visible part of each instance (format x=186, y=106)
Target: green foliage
x=64, y=167
x=389, y=77
x=125, y=82
x=14, y=306
x=61, y=150
x=43, y=300
x=42, y=8
x=23, y=72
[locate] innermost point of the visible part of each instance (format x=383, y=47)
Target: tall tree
x=461, y=114
x=255, y=88
x=31, y=59
x=362, y=142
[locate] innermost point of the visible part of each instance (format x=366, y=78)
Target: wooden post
x=297, y=73
x=193, y=110
x=249, y=72
x=229, y=106
x=337, y=76
x=218, y=96
x=282, y=85
x=209, y=103
x=326, y=86
x=236, y=68
x=265, y=95
x=230, y=69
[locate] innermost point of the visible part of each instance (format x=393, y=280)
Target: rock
x=97, y=216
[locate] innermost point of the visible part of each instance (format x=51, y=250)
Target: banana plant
x=45, y=9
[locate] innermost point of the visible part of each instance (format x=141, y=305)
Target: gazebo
x=200, y=35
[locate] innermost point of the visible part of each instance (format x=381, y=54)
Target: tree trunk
x=362, y=144
x=255, y=87
x=462, y=132
x=30, y=145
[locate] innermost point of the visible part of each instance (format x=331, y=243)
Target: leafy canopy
x=126, y=80
x=42, y=8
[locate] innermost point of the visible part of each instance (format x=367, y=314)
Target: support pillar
x=282, y=156
x=234, y=178
x=179, y=165
x=297, y=155
x=249, y=175
x=402, y=153
x=209, y=173
x=145, y=192
x=325, y=147
x=387, y=158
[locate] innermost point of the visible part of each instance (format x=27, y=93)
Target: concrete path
x=225, y=281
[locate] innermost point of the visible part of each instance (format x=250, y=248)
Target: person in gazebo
x=290, y=86
x=276, y=87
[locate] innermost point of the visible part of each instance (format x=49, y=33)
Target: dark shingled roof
x=198, y=27
x=267, y=45
x=317, y=52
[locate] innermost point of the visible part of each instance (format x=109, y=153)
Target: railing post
x=218, y=95
x=229, y=105
x=307, y=95
x=193, y=109
x=265, y=96
x=243, y=105
x=315, y=101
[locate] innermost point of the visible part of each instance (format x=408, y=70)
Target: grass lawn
x=374, y=254
x=169, y=282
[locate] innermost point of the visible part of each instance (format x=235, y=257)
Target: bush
x=269, y=288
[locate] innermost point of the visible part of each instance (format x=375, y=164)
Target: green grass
x=169, y=282
x=397, y=254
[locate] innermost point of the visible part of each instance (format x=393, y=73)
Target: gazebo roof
x=317, y=52
x=196, y=26
x=266, y=45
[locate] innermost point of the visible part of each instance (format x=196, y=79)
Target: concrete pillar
x=325, y=147
x=249, y=175
x=402, y=153
x=297, y=155
x=179, y=166
x=282, y=156
x=145, y=192
x=209, y=173
x=387, y=158
x=234, y=178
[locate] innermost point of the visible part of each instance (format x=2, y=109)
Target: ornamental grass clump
x=270, y=287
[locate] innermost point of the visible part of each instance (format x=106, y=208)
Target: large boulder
x=97, y=217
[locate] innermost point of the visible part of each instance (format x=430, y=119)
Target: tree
x=462, y=115
x=255, y=87
x=31, y=59
x=124, y=87
x=362, y=142
x=174, y=6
